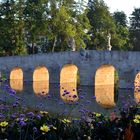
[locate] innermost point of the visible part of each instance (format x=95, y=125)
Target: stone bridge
x=88, y=62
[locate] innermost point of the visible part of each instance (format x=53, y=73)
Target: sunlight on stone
x=16, y=79
x=16, y=84
x=41, y=81
x=137, y=88
x=41, y=87
x=68, y=92
x=16, y=73
x=41, y=74
x=104, y=86
x=68, y=83
x=105, y=96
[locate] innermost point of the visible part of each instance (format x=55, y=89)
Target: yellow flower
x=136, y=121
x=137, y=117
x=25, y=119
x=43, y=112
x=3, y=124
x=98, y=114
x=66, y=121
x=54, y=128
x=44, y=128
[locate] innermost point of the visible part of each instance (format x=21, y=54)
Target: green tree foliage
x=120, y=18
x=23, y=21
x=120, y=39
x=35, y=20
x=67, y=26
x=135, y=29
x=11, y=27
x=102, y=24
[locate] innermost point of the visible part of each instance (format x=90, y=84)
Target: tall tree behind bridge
x=135, y=29
x=67, y=26
x=35, y=16
x=121, y=39
x=101, y=22
x=104, y=23
x=11, y=28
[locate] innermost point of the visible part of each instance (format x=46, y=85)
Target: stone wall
x=87, y=62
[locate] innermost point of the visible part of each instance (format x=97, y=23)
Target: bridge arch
x=41, y=73
x=16, y=79
x=137, y=87
x=41, y=80
x=69, y=79
x=16, y=73
x=106, y=83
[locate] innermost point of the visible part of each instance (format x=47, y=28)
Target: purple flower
x=30, y=114
x=88, y=101
x=22, y=123
x=82, y=111
x=100, y=122
x=60, y=103
x=74, y=96
x=2, y=107
x=76, y=103
x=63, y=94
x=38, y=117
x=81, y=97
x=49, y=96
x=34, y=129
x=79, y=90
x=65, y=90
x=22, y=115
x=18, y=98
x=15, y=105
x=13, y=116
x=94, y=97
x=2, y=116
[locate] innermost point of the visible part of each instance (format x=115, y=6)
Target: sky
x=123, y=5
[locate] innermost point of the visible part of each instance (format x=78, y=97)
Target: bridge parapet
x=126, y=64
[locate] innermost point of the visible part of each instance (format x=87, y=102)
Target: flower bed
x=20, y=123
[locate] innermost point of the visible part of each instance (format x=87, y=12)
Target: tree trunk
x=54, y=43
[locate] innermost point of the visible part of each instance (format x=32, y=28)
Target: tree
x=105, y=25
x=66, y=26
x=120, y=18
x=11, y=27
x=35, y=21
x=120, y=39
x=135, y=29
x=101, y=22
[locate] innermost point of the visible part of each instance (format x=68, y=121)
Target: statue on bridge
x=109, y=47
x=71, y=43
